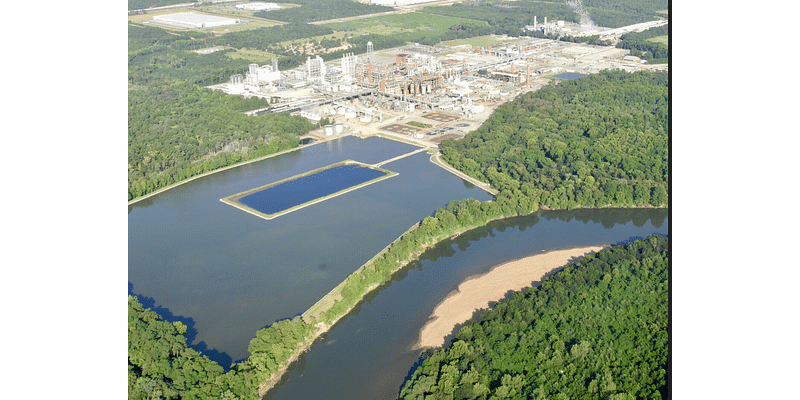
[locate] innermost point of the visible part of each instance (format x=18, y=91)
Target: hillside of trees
x=598, y=329
x=590, y=142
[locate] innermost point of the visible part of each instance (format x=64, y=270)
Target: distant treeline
x=157, y=57
x=590, y=142
x=507, y=17
x=637, y=43
x=597, y=329
x=316, y=10
x=141, y=4
x=618, y=13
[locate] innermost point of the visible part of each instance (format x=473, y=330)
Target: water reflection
x=221, y=358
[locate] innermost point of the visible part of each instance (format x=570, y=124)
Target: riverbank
x=476, y=292
x=239, y=164
x=315, y=315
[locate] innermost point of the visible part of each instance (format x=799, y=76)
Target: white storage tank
x=366, y=119
x=338, y=128
x=328, y=129
x=350, y=115
x=341, y=111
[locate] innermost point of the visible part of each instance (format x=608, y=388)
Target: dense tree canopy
x=315, y=10
x=591, y=142
x=598, y=329
x=507, y=17
x=160, y=366
x=181, y=130
x=156, y=56
x=617, y=13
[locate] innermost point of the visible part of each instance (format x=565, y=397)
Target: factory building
x=258, y=6
x=195, y=20
x=262, y=75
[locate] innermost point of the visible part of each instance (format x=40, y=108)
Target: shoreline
x=239, y=164
x=476, y=292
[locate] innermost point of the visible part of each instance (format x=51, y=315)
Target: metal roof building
x=195, y=20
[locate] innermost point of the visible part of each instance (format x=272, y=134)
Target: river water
x=368, y=354
x=227, y=273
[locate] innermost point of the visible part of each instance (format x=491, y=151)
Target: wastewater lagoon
x=291, y=194
x=570, y=76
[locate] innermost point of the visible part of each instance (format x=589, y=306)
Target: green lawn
x=663, y=39
x=256, y=56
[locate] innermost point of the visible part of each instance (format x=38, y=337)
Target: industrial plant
x=425, y=93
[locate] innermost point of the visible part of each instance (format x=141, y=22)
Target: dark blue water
x=569, y=76
x=368, y=354
x=307, y=188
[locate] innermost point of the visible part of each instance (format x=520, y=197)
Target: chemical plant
x=423, y=93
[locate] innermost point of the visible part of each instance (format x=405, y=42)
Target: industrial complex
x=424, y=93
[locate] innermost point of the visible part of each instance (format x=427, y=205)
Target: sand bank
x=477, y=292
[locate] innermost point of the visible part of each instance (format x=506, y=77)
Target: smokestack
x=534, y=22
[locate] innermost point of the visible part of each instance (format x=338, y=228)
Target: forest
x=640, y=46
x=591, y=142
x=141, y=4
x=178, y=129
x=597, y=329
x=181, y=130
x=507, y=17
x=315, y=10
x=617, y=13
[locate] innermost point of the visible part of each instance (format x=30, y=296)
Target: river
x=226, y=273
x=368, y=354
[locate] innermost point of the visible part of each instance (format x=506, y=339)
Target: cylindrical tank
x=366, y=119
x=338, y=128
x=328, y=129
x=350, y=115
x=341, y=111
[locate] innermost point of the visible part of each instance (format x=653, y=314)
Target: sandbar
x=476, y=292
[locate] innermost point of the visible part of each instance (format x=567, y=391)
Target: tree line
x=591, y=142
x=507, y=18
x=618, y=13
x=597, y=329
x=315, y=10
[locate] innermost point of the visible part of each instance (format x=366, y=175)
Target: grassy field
x=256, y=56
x=394, y=23
x=481, y=41
x=663, y=39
